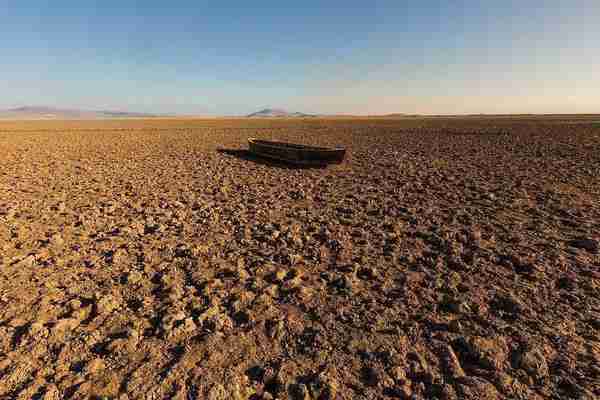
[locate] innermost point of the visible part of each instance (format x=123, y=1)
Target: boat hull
x=296, y=153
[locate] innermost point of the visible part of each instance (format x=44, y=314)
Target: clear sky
x=317, y=56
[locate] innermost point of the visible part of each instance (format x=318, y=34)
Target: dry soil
x=445, y=258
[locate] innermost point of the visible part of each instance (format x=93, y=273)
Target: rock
x=594, y=321
x=107, y=304
x=450, y=362
x=119, y=346
x=325, y=387
x=370, y=376
x=455, y=326
x=274, y=329
x=399, y=392
x=453, y=280
x=183, y=251
x=37, y=330
x=51, y=393
x=448, y=392
x=187, y=327
x=455, y=305
x=64, y=325
x=342, y=284
x=280, y=274
x=61, y=207
x=367, y=273
x=511, y=387
x=299, y=392
x=74, y=304
x=490, y=353
x=56, y=240
x=418, y=366
x=82, y=313
x=590, y=245
x=532, y=361
x=95, y=366
x=134, y=277
x=171, y=319
x=507, y=305
x=473, y=388
x=398, y=374
x=215, y=320
x=567, y=282
x=25, y=262
x=218, y=392
x=17, y=322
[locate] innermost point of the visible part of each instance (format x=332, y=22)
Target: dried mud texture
x=445, y=258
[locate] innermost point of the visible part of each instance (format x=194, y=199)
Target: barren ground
x=445, y=258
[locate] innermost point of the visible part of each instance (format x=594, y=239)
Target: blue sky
x=234, y=57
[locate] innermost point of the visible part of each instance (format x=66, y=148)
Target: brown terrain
x=449, y=258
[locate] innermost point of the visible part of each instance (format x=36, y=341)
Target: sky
x=327, y=57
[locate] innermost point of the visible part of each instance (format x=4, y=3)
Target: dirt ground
x=445, y=258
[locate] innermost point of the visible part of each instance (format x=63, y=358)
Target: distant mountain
x=41, y=112
x=277, y=113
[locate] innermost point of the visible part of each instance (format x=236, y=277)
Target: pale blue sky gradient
x=234, y=57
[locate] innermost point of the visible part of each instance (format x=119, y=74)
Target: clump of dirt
x=445, y=258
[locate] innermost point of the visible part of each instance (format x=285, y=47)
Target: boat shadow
x=246, y=155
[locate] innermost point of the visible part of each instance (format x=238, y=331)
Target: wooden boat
x=296, y=153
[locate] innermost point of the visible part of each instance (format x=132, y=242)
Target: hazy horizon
x=236, y=58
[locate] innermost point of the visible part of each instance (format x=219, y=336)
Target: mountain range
x=277, y=113
x=40, y=112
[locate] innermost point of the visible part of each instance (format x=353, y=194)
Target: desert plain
x=448, y=258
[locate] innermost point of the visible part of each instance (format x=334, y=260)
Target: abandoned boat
x=296, y=153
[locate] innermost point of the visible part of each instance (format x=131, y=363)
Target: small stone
x=455, y=326
x=26, y=262
x=61, y=207
x=297, y=194
x=418, y=364
x=455, y=305
x=134, y=277
x=16, y=322
x=38, y=330
x=448, y=392
x=342, y=284
x=107, y=304
x=511, y=387
x=51, y=393
x=453, y=280
x=474, y=388
x=170, y=319
x=217, y=392
x=594, y=321
x=56, y=240
x=490, y=353
x=324, y=388
x=367, y=273
x=64, y=325
x=189, y=325
x=508, y=305
x=274, y=329
x=398, y=374
x=74, y=304
x=280, y=274
x=81, y=313
x=94, y=366
x=533, y=362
